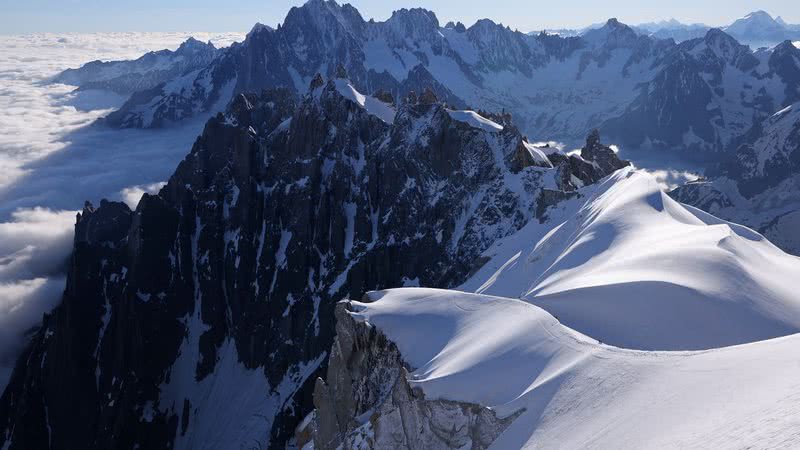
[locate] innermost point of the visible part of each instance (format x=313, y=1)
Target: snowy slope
x=577, y=393
x=372, y=105
x=633, y=268
x=475, y=120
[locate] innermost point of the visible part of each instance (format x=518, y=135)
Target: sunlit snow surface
x=475, y=120
x=52, y=160
x=633, y=268
x=377, y=108
x=575, y=392
x=637, y=322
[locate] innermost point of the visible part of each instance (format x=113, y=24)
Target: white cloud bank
x=52, y=160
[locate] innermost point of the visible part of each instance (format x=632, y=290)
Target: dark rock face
x=594, y=163
x=769, y=154
x=203, y=317
x=757, y=185
x=604, y=158
x=703, y=195
x=367, y=399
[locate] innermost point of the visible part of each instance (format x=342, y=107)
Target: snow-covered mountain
x=345, y=157
x=672, y=29
x=438, y=369
x=696, y=96
x=142, y=74
x=759, y=29
x=202, y=318
x=634, y=268
x=759, y=184
x=577, y=341
x=710, y=93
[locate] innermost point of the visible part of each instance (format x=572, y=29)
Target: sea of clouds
x=52, y=159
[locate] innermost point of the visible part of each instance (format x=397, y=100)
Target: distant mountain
x=759, y=29
x=710, y=92
x=672, y=29
x=555, y=87
x=147, y=72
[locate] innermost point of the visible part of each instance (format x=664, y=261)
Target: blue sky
x=239, y=15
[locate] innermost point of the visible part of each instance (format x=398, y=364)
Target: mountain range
x=696, y=97
x=757, y=29
x=141, y=74
x=513, y=293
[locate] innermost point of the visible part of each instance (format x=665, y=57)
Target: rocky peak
x=718, y=49
x=316, y=82
x=722, y=44
x=614, y=34
x=192, y=45
x=785, y=62
x=428, y=97
x=413, y=20
x=786, y=46
x=257, y=29
x=457, y=26
x=261, y=112
x=416, y=24
x=604, y=156
x=593, y=139
x=759, y=23
x=325, y=18
x=341, y=72
x=486, y=32
x=501, y=48
x=596, y=161
x=103, y=224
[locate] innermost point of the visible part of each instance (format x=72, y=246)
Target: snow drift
x=573, y=392
x=632, y=267
x=705, y=308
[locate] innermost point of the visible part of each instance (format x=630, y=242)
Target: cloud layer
x=52, y=159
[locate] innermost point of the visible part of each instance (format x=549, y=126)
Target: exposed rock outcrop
x=368, y=403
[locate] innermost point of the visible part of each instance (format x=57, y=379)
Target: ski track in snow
x=52, y=160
